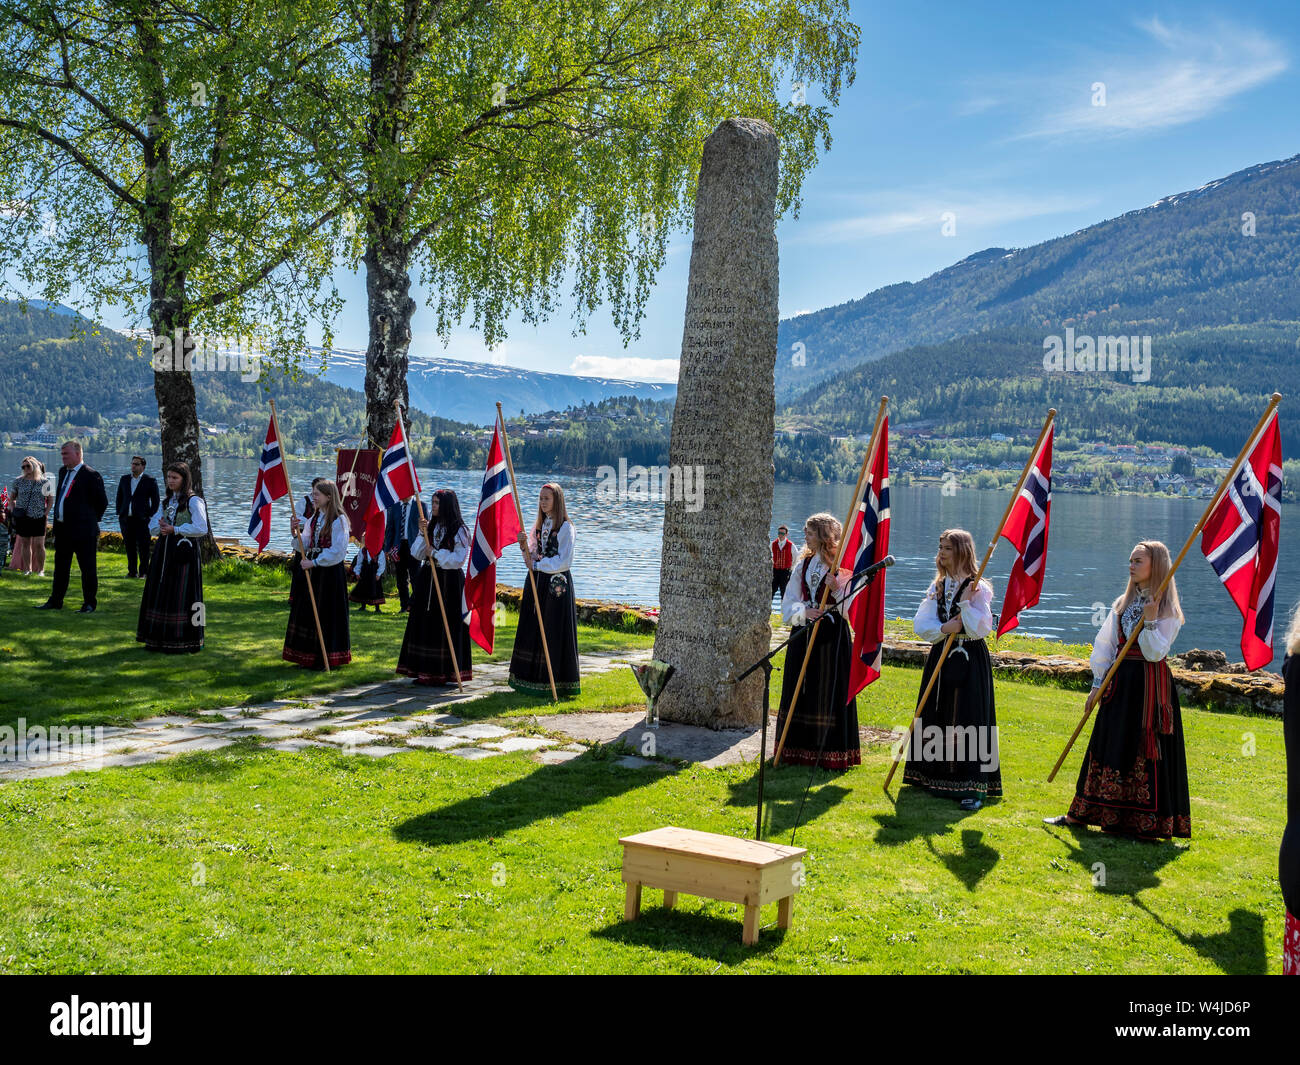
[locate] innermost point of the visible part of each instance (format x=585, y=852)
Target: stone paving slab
x=399, y=728
x=201, y=743
x=441, y=720
x=556, y=757
x=704, y=746
x=479, y=731
x=166, y=719
x=473, y=754
x=298, y=745
x=521, y=743
x=294, y=713
x=436, y=743
x=352, y=737
x=372, y=751
x=631, y=761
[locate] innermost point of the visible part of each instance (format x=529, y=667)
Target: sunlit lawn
x=252, y=860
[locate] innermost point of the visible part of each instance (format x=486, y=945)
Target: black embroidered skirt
x=953, y=750
x=825, y=719
x=369, y=588
x=301, y=642
x=560, y=616
x=424, y=653
x=1121, y=787
x=171, y=607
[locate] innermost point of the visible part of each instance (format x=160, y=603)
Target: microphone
x=874, y=568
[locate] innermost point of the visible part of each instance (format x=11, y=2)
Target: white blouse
x=454, y=559
x=976, y=612
x=794, y=606
x=363, y=556
x=338, y=548
x=1155, y=640
x=557, y=563
x=197, y=525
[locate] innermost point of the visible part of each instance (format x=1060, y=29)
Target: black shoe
x=47, y=605
x=87, y=608
x=130, y=576
x=971, y=804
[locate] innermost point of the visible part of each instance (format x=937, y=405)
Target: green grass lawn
x=252, y=860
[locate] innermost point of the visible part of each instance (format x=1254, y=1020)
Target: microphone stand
x=765, y=663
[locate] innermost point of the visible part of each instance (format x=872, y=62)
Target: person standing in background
x=30, y=500
x=79, y=504
x=137, y=502
x=4, y=527
x=401, y=530
x=782, y=561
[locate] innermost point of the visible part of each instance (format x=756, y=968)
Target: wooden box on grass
x=711, y=866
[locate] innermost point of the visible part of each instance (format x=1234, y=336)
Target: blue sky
x=985, y=110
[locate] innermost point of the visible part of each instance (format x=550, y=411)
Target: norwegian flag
x=1026, y=531
x=271, y=485
x=495, y=529
x=1240, y=541
x=868, y=543
x=397, y=480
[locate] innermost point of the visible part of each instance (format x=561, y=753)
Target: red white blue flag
x=495, y=529
x=271, y=485
x=868, y=543
x=1240, y=541
x=1026, y=530
x=397, y=480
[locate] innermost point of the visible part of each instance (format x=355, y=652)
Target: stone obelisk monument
x=716, y=573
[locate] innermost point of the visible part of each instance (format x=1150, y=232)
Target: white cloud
x=630, y=368
x=912, y=210
x=1180, y=76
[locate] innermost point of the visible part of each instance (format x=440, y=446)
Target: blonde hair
x=1293, y=633
x=1161, y=564
x=963, y=549
x=333, y=509
x=827, y=529
x=559, y=512
x=38, y=474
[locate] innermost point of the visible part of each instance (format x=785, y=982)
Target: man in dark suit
x=137, y=502
x=79, y=503
x=401, y=528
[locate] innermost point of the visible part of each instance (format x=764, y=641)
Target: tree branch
x=75, y=153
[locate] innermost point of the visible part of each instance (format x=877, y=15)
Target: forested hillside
x=1225, y=254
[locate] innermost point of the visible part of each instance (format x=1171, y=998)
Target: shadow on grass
x=701, y=934
x=1118, y=865
x=1239, y=951
x=783, y=790
x=975, y=861
x=546, y=792
x=919, y=815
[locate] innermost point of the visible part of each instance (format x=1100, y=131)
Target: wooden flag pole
x=532, y=579
x=947, y=644
x=867, y=461
x=435, y=586
x=1094, y=695
x=302, y=549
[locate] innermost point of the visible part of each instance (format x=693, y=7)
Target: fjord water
x=618, y=543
